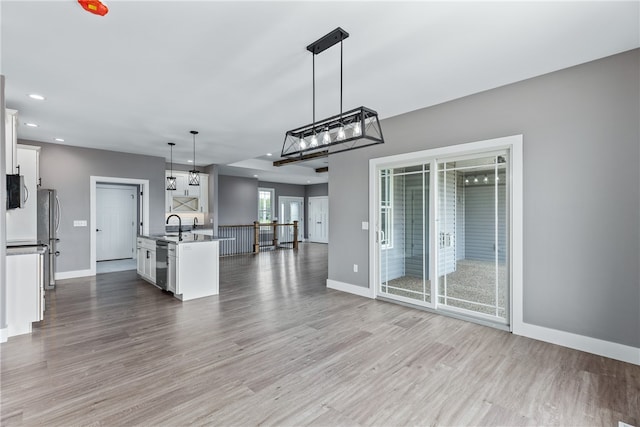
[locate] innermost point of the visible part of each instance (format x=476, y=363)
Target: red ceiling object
x=94, y=6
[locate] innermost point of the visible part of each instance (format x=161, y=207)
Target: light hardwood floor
x=277, y=347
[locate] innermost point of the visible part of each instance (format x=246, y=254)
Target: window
x=265, y=204
x=386, y=209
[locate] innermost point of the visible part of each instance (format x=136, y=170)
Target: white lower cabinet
x=146, y=259
x=25, y=293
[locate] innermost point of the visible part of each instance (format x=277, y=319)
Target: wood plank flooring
x=277, y=347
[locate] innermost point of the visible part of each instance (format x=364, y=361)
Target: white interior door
x=291, y=209
x=319, y=219
x=116, y=212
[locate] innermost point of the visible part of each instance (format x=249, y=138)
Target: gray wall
x=212, y=217
x=316, y=190
x=68, y=169
x=237, y=200
x=581, y=223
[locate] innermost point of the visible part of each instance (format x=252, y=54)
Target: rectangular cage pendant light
x=353, y=129
x=171, y=183
x=346, y=131
x=194, y=177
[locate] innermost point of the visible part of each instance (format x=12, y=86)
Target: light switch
x=79, y=223
x=365, y=225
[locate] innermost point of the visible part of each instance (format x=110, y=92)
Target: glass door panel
x=472, y=236
x=403, y=242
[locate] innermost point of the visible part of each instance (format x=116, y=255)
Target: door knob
x=97, y=229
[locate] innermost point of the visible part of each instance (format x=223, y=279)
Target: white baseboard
x=73, y=274
x=608, y=349
x=4, y=334
x=349, y=288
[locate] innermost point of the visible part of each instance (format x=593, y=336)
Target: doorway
x=319, y=219
x=116, y=218
x=142, y=210
x=291, y=209
x=444, y=231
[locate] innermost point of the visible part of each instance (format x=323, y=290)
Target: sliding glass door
x=446, y=249
x=404, y=233
x=472, y=236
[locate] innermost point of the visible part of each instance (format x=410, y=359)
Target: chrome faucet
x=179, y=225
x=195, y=222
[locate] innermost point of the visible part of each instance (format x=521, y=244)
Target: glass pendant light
x=171, y=180
x=356, y=129
x=326, y=139
x=194, y=175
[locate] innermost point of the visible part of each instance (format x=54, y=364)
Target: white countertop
x=186, y=238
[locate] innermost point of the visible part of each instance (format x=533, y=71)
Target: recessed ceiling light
x=189, y=161
x=269, y=154
x=59, y=139
x=36, y=96
x=255, y=176
x=308, y=182
x=31, y=125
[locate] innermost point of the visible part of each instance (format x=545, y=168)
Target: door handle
x=97, y=229
x=58, y=213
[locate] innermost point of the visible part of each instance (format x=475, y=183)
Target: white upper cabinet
x=187, y=198
x=22, y=223
x=11, y=126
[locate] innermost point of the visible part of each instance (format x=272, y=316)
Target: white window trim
x=390, y=210
x=273, y=201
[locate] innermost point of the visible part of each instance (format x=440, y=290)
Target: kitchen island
x=185, y=265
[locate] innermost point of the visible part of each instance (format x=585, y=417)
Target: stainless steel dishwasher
x=171, y=271
x=162, y=261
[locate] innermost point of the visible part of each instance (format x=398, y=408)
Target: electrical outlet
x=355, y=268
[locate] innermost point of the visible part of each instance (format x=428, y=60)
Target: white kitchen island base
x=191, y=264
x=197, y=270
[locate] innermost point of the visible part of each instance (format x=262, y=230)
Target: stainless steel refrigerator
x=48, y=224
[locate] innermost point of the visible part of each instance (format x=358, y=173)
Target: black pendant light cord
x=340, y=82
x=313, y=62
x=193, y=132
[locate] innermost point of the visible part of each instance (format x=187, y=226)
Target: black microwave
x=15, y=191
